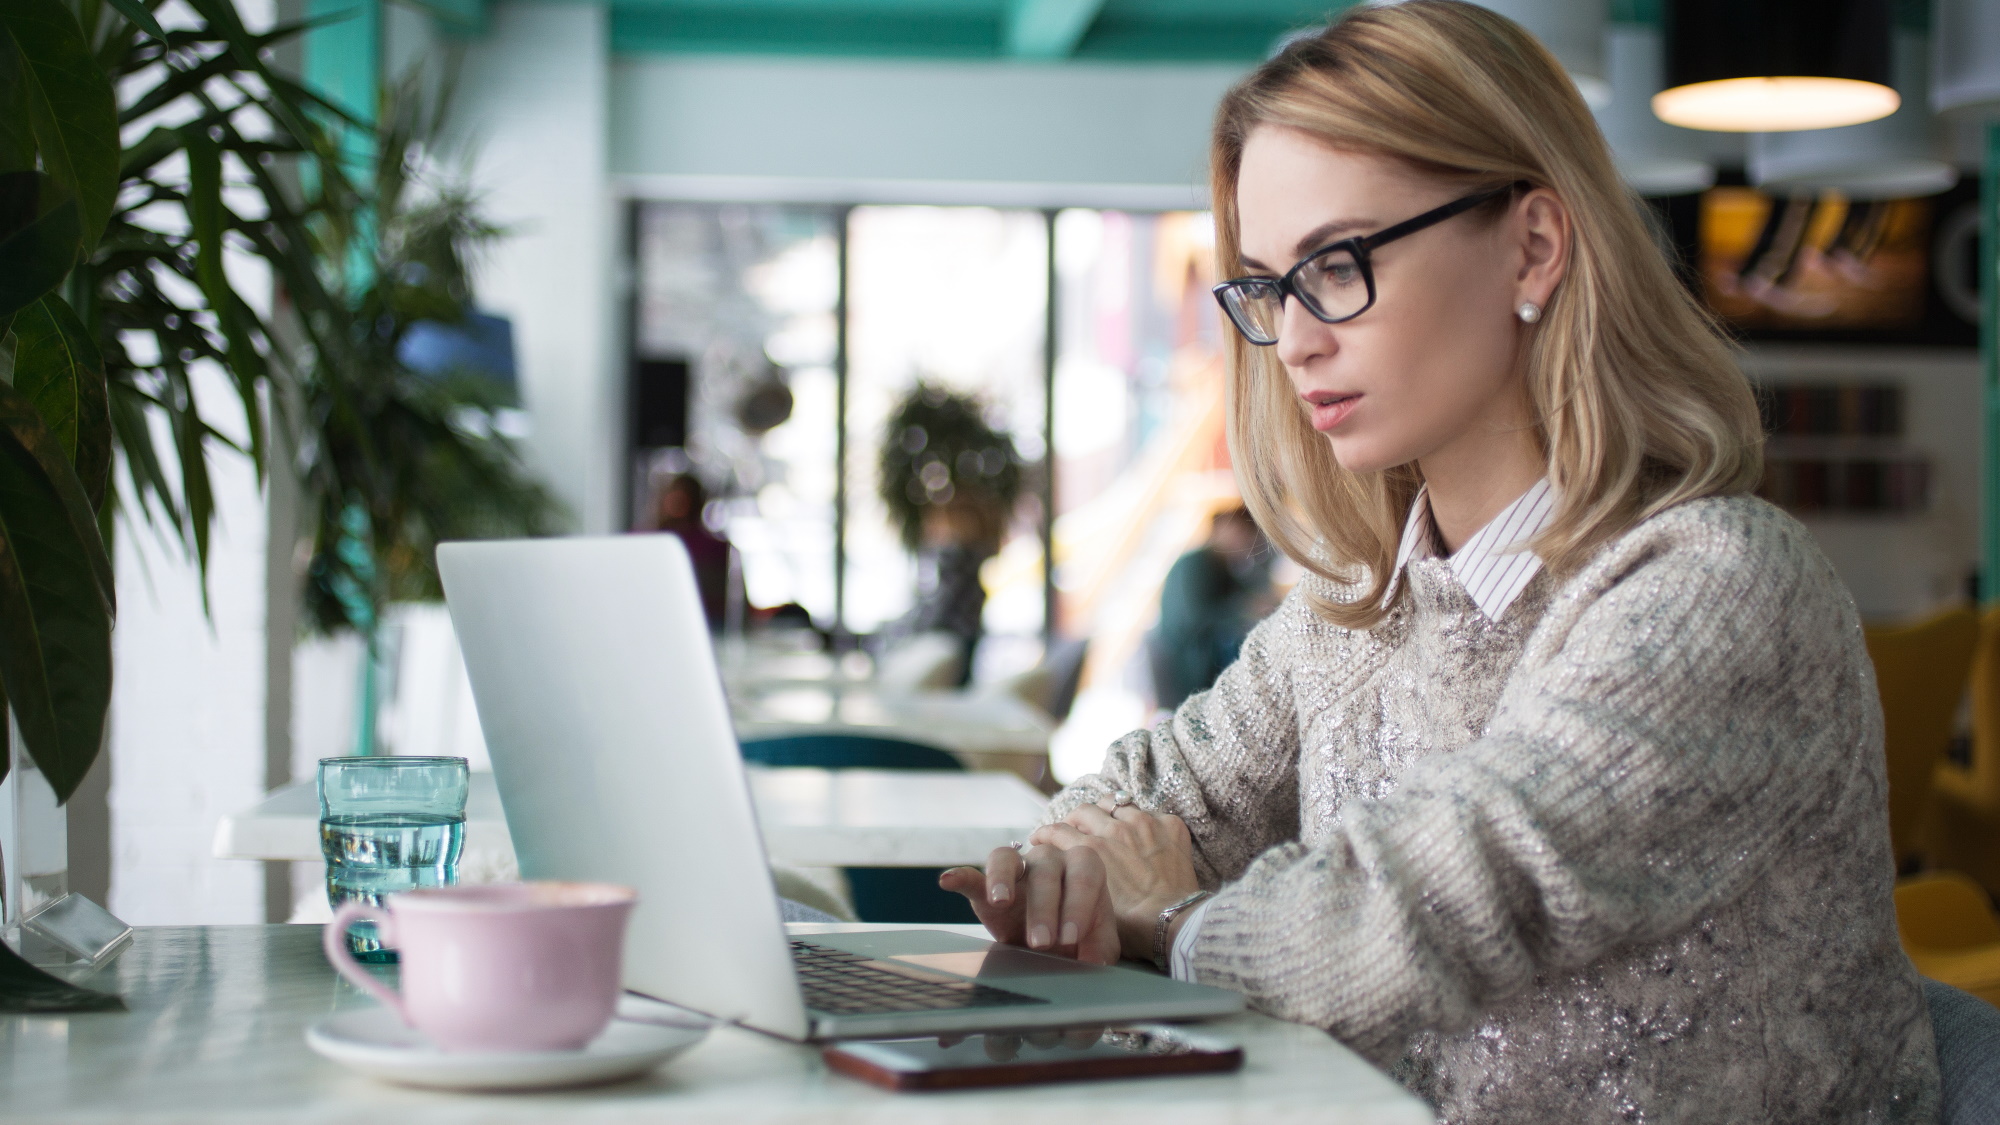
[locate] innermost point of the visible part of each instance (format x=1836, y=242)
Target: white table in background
x=214, y=1034
x=810, y=818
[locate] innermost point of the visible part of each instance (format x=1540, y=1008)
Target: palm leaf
x=42, y=249
x=70, y=106
x=57, y=368
x=55, y=617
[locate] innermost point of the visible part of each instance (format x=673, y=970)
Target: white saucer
x=374, y=1042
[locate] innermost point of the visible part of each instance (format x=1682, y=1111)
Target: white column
x=533, y=100
x=187, y=704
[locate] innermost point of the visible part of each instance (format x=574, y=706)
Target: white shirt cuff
x=1180, y=962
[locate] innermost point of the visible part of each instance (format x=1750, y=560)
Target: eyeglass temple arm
x=1432, y=218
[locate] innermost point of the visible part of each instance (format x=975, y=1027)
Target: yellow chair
x=1962, y=830
x=1921, y=670
x=1950, y=933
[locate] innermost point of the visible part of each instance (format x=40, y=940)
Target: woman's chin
x=1359, y=455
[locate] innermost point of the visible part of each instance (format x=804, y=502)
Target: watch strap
x=1161, y=953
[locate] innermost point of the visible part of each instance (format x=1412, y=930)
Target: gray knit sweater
x=1621, y=856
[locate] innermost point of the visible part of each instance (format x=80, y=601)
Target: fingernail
x=1038, y=936
x=999, y=893
x=1069, y=933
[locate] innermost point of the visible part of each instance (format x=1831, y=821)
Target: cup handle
x=334, y=940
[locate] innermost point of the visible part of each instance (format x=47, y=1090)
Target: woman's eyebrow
x=1317, y=237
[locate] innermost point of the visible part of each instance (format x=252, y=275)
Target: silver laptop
x=612, y=746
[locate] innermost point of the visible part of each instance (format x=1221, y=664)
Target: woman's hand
x=1047, y=898
x=1148, y=860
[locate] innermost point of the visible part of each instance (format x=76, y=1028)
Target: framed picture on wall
x=1822, y=268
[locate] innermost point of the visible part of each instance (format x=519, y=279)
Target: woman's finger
x=1002, y=920
x=1083, y=889
x=1060, y=836
x=1044, y=885
x=1003, y=874
x=1091, y=819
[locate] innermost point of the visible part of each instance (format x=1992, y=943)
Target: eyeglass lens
x=1331, y=283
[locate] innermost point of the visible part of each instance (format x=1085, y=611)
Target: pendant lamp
x=1895, y=157
x=1965, y=57
x=1573, y=31
x=1653, y=157
x=1768, y=66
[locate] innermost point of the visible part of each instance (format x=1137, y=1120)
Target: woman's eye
x=1339, y=271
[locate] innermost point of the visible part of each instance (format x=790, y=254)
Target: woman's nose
x=1301, y=335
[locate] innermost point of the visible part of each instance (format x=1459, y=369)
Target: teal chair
x=881, y=894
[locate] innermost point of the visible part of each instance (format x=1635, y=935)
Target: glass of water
x=389, y=824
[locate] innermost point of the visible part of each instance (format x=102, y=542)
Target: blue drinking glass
x=389, y=824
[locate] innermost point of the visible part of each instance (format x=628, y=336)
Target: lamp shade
x=1750, y=66
x=1573, y=31
x=1965, y=57
x=1653, y=157
x=1892, y=158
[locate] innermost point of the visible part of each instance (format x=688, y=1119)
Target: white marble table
x=217, y=1014
x=810, y=818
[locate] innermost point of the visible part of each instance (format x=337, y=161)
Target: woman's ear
x=1544, y=230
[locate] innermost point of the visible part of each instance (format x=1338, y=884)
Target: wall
x=531, y=101
x=187, y=736
x=903, y=131
x=1899, y=567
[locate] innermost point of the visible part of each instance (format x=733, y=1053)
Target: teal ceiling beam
x=829, y=33
x=461, y=16
x=1048, y=29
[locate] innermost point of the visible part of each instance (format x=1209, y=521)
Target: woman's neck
x=1471, y=481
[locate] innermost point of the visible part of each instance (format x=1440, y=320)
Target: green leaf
x=204, y=210
x=56, y=366
x=55, y=618
x=17, y=140
x=24, y=988
x=136, y=11
x=70, y=104
x=35, y=258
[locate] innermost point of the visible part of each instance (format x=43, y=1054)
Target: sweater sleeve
x=1698, y=692
x=1226, y=762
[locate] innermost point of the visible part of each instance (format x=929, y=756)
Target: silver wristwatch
x=1161, y=954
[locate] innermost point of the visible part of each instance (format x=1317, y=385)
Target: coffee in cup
x=509, y=967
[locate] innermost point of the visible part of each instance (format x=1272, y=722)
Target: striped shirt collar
x=1491, y=566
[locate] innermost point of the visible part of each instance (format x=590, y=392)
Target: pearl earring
x=1529, y=312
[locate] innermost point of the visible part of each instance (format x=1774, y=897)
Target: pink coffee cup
x=513, y=967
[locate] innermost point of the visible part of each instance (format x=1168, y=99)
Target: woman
x=1556, y=787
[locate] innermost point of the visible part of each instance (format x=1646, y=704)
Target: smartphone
x=959, y=1062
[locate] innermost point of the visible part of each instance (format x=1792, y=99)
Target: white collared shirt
x=1494, y=566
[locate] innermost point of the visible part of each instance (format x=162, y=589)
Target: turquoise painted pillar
x=344, y=59
x=1989, y=361
x=344, y=65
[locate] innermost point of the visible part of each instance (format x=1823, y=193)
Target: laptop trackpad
x=995, y=962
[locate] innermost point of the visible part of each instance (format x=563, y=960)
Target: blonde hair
x=1639, y=401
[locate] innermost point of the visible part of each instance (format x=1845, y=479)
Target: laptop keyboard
x=848, y=984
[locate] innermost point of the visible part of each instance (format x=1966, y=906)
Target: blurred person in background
x=677, y=509
x=1556, y=786
x=1212, y=597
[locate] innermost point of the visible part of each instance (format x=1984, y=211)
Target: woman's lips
x=1330, y=410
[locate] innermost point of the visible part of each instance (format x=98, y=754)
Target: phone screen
x=1011, y=1049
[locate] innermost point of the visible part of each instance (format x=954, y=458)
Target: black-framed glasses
x=1335, y=283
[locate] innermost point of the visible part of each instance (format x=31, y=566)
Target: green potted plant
x=82, y=271
x=395, y=459
x=950, y=480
